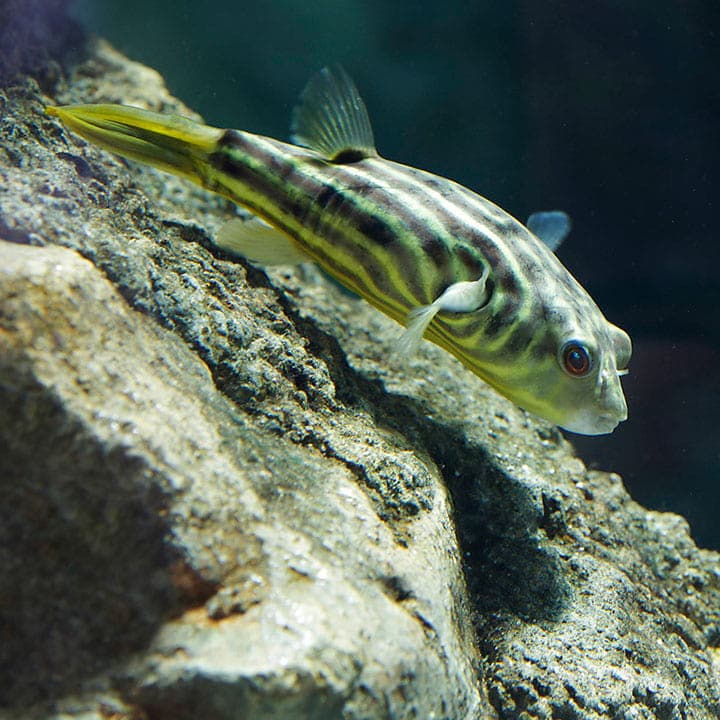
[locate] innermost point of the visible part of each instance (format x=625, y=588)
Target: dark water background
x=609, y=110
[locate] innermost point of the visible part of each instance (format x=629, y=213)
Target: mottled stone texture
x=221, y=498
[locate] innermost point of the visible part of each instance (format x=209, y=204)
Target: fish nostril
x=602, y=381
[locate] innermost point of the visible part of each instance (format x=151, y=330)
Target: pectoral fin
x=551, y=226
x=255, y=240
x=418, y=320
x=461, y=297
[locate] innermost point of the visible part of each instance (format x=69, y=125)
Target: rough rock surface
x=220, y=499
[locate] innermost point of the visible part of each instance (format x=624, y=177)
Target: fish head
x=581, y=376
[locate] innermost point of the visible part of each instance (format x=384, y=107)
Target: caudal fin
x=170, y=142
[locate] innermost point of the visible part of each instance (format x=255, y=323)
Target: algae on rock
x=220, y=499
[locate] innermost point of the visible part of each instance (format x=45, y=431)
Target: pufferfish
x=450, y=265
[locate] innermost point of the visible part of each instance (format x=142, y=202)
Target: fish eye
x=575, y=358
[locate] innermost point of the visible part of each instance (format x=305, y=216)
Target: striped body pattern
x=451, y=265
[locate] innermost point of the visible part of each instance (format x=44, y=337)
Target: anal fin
x=255, y=240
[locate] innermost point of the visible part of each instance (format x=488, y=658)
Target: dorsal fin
x=332, y=119
x=551, y=226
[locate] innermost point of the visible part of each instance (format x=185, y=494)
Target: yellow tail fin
x=170, y=142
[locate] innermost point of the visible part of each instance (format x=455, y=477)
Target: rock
x=34, y=34
x=219, y=498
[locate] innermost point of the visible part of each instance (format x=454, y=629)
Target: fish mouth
x=606, y=424
x=602, y=418
x=593, y=424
